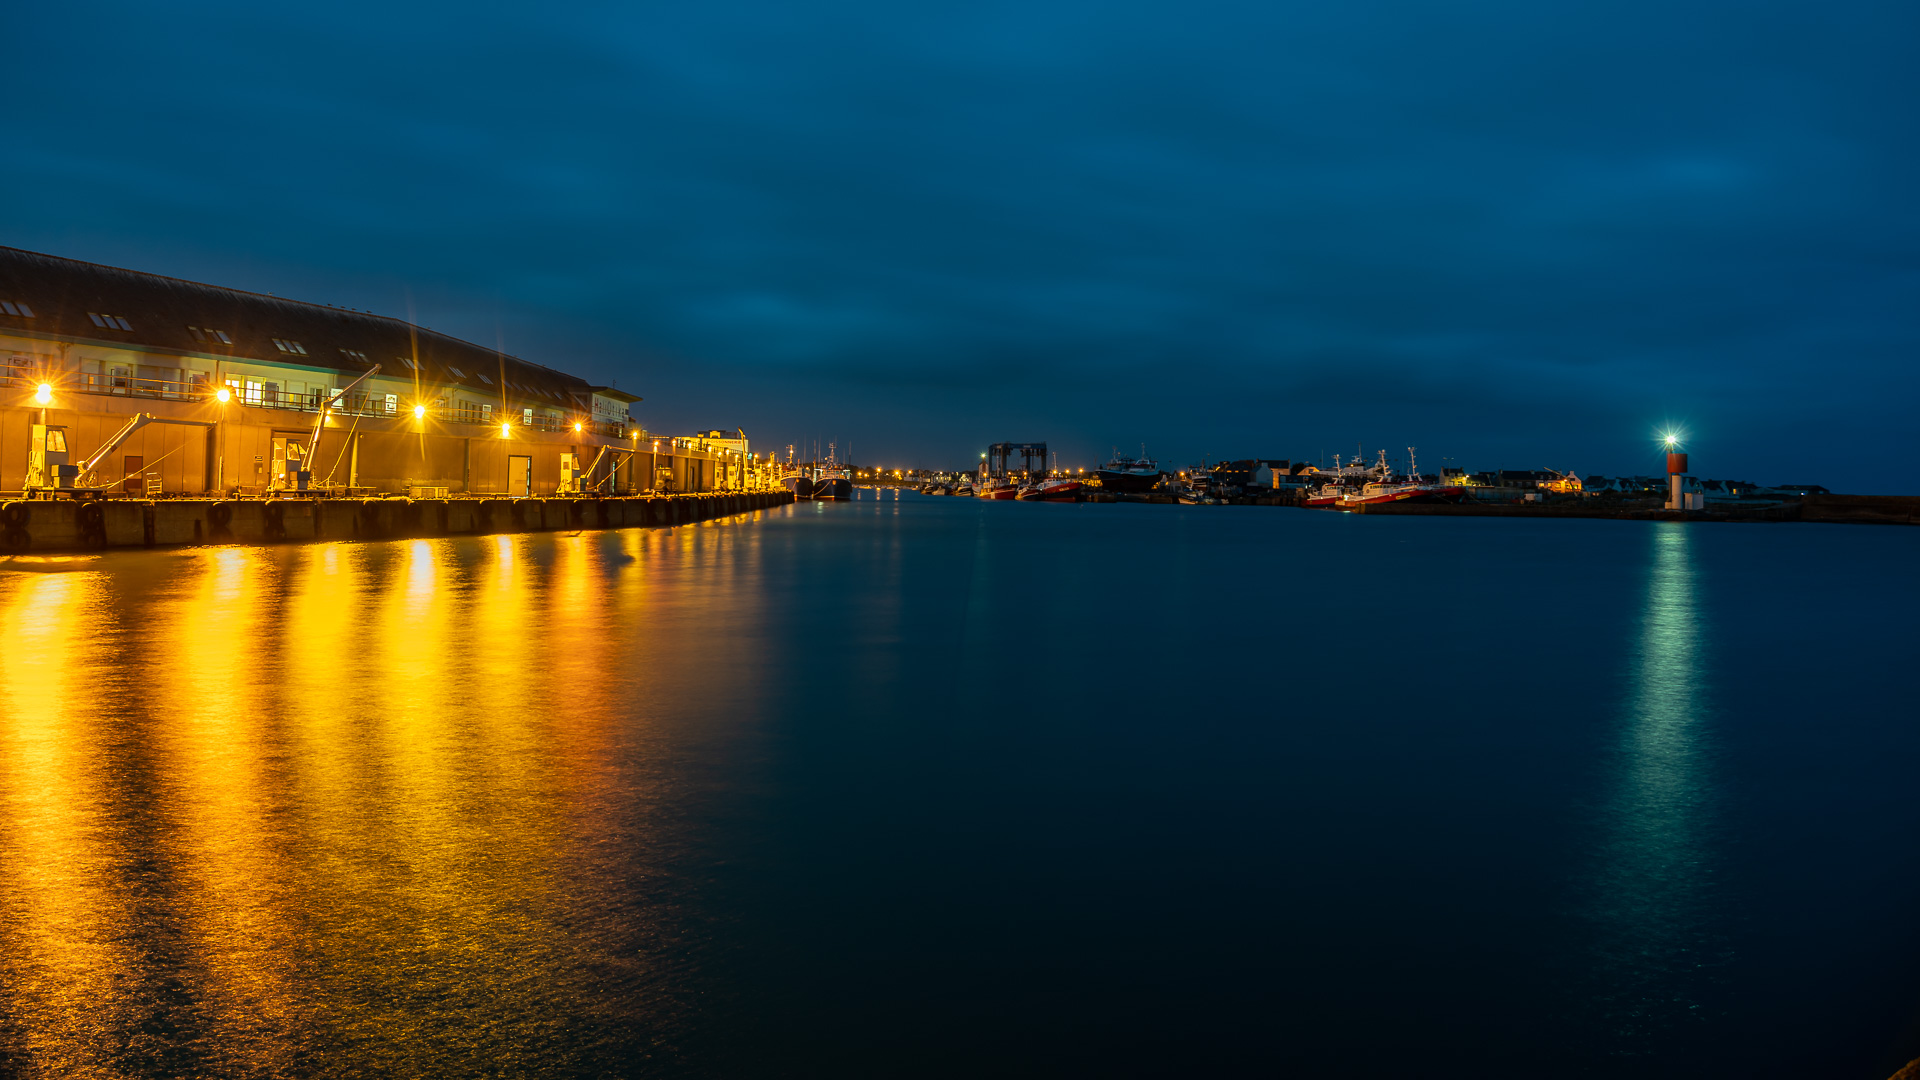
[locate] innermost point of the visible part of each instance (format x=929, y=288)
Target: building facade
x=236, y=382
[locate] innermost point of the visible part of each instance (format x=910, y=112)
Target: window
x=108, y=322
x=411, y=366
x=254, y=389
x=457, y=373
x=393, y=404
x=210, y=336
x=486, y=380
x=288, y=346
x=17, y=310
x=486, y=412
x=354, y=354
x=526, y=416
x=56, y=440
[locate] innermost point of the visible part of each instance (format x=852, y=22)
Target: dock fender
x=517, y=510
x=220, y=521
x=92, y=521
x=13, y=526
x=274, y=515
x=602, y=513
x=370, y=517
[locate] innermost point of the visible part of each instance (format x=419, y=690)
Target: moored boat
x=1129, y=474
x=1404, y=489
x=996, y=488
x=1052, y=491
x=1388, y=488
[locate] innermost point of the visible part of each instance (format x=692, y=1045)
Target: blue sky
x=1513, y=234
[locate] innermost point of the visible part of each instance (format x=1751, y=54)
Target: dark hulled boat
x=1129, y=474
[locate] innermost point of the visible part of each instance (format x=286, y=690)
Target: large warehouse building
x=237, y=381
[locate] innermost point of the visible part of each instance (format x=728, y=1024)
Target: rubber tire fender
x=92, y=519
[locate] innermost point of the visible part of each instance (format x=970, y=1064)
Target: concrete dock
x=33, y=526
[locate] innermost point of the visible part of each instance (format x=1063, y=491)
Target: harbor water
x=933, y=786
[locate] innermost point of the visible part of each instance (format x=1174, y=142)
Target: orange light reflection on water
x=63, y=922
x=349, y=795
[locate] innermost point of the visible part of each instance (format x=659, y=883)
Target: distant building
x=238, y=379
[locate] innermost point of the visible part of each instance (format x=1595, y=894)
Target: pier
x=36, y=526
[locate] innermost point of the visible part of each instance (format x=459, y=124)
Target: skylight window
x=287, y=346
x=411, y=366
x=486, y=380
x=209, y=335
x=457, y=373
x=108, y=322
x=20, y=311
x=354, y=354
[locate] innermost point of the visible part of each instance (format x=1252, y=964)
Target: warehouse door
x=289, y=459
x=519, y=475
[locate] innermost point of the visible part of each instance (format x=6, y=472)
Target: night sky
x=1514, y=235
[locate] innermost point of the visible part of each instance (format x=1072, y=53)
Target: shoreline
x=1823, y=509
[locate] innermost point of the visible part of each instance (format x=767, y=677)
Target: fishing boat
x=1197, y=487
x=1409, y=488
x=1347, y=479
x=1403, y=489
x=832, y=480
x=1051, y=491
x=996, y=487
x=1129, y=474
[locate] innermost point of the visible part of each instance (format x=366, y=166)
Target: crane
x=305, y=476
x=47, y=467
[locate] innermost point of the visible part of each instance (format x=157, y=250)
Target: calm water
x=931, y=786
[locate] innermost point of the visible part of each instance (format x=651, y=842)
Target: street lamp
x=223, y=395
x=44, y=394
x=419, y=412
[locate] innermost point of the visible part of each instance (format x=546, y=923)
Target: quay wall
x=64, y=525
x=1862, y=509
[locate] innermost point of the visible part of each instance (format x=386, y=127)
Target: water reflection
x=64, y=953
x=1657, y=944
x=267, y=808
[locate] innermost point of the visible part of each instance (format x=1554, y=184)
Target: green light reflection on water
x=1657, y=854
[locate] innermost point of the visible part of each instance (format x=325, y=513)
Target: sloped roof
x=63, y=294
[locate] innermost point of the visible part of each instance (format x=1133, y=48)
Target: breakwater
x=1833, y=509
x=60, y=526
